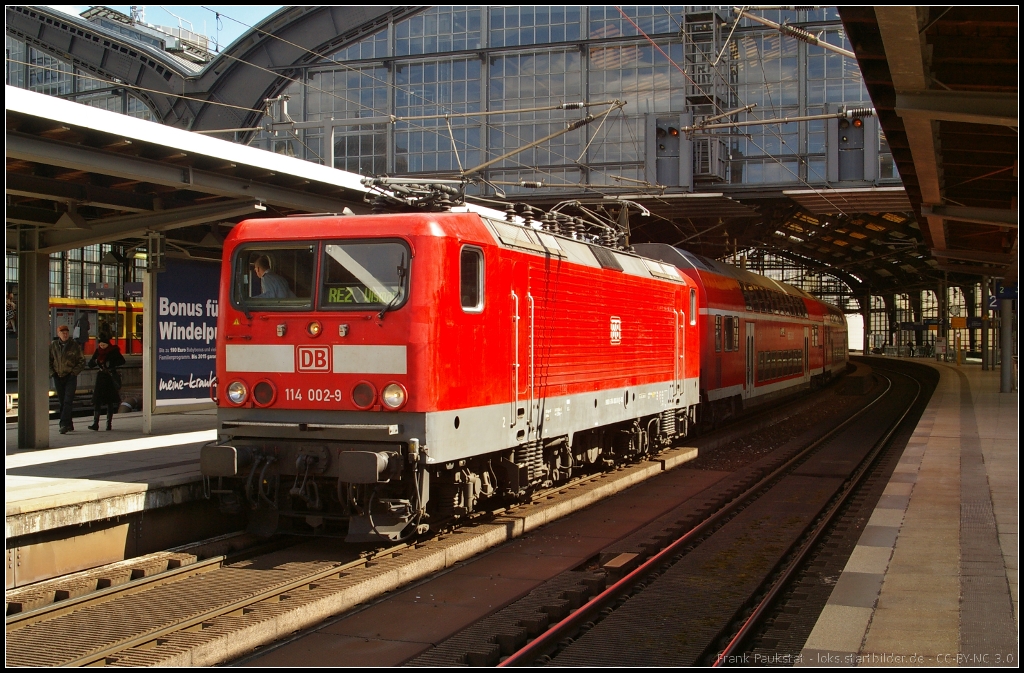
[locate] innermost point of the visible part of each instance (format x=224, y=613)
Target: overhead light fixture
x=260, y=206
x=210, y=241
x=111, y=257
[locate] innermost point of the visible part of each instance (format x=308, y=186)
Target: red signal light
x=673, y=131
x=857, y=123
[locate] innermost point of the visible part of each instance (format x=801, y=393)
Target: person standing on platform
x=108, y=381
x=66, y=363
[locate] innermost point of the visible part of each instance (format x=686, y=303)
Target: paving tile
x=891, y=632
x=839, y=628
x=897, y=488
x=879, y=536
x=946, y=585
x=916, y=600
x=858, y=590
x=886, y=517
x=868, y=560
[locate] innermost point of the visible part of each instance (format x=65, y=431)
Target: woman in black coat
x=108, y=382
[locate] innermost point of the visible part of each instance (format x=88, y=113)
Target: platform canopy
x=79, y=175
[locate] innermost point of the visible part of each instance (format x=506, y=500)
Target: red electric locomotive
x=380, y=370
x=760, y=339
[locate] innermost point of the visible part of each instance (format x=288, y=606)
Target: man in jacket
x=66, y=363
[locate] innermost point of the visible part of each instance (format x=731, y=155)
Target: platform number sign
x=314, y=358
x=616, y=330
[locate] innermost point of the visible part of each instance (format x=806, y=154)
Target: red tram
x=380, y=370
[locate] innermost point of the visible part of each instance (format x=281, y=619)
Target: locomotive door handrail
x=515, y=360
x=530, y=425
x=675, y=367
x=516, y=365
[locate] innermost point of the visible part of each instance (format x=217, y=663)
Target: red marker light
x=857, y=123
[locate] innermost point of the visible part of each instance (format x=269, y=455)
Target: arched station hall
x=888, y=188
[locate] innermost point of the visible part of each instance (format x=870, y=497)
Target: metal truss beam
x=976, y=256
x=77, y=157
x=972, y=107
x=33, y=186
x=994, y=216
x=117, y=228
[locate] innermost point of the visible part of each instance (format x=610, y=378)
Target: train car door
x=807, y=354
x=751, y=361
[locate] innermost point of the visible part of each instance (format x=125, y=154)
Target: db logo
x=616, y=330
x=314, y=358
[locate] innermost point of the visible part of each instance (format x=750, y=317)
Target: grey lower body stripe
x=986, y=609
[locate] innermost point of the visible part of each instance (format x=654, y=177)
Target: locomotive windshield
x=363, y=274
x=274, y=277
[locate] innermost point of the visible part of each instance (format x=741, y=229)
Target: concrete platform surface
x=90, y=476
x=933, y=579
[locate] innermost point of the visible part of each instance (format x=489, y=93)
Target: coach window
x=471, y=280
x=693, y=307
x=736, y=333
x=718, y=333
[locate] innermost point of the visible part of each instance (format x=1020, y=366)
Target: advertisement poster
x=186, y=331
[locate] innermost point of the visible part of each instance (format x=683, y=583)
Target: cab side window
x=471, y=279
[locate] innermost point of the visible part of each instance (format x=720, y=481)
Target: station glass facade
x=659, y=60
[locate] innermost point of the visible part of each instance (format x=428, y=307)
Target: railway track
x=214, y=611
x=702, y=597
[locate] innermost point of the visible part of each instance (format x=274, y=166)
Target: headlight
x=237, y=392
x=393, y=395
x=314, y=328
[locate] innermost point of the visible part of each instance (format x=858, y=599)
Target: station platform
x=95, y=483
x=933, y=578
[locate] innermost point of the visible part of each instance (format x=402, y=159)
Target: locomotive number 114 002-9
x=313, y=394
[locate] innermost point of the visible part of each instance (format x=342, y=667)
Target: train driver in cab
x=273, y=285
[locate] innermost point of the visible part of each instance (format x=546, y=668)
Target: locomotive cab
x=314, y=379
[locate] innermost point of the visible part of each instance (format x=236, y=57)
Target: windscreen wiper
x=398, y=294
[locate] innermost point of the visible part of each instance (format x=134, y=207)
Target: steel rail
x=22, y=619
x=100, y=656
x=570, y=625
x=781, y=582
